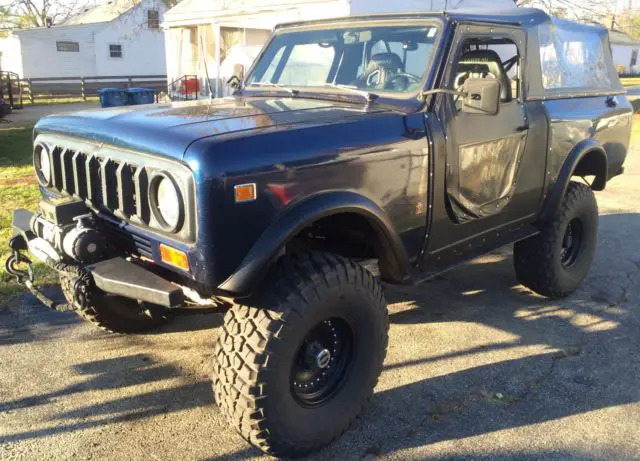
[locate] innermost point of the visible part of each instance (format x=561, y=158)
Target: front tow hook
x=26, y=276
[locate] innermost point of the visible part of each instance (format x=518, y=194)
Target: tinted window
x=573, y=56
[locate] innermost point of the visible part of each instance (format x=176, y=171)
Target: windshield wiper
x=352, y=89
x=280, y=86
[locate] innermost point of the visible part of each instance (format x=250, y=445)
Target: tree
x=628, y=22
x=24, y=14
x=577, y=10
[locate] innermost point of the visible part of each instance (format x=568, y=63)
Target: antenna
x=206, y=70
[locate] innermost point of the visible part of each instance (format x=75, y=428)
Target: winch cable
x=27, y=278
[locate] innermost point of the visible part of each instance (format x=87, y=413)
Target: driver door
x=493, y=178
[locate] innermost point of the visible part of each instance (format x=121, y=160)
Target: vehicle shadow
x=121, y=374
x=558, y=358
x=17, y=326
x=542, y=360
x=537, y=360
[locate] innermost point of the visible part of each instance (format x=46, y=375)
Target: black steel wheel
x=571, y=243
x=295, y=364
x=555, y=262
x=322, y=362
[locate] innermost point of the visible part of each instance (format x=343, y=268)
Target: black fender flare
x=559, y=188
x=289, y=223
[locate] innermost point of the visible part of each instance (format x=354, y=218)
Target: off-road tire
x=538, y=260
x=254, y=355
x=114, y=313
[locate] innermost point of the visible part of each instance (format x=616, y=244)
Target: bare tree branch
x=24, y=14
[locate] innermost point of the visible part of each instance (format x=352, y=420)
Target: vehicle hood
x=169, y=129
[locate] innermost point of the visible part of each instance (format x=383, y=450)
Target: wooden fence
x=34, y=89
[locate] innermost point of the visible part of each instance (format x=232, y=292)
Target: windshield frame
x=302, y=91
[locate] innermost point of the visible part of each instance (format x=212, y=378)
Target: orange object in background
x=189, y=86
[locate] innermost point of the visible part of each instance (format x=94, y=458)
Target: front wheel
x=294, y=366
x=114, y=313
x=555, y=262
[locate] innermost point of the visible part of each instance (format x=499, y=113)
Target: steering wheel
x=410, y=77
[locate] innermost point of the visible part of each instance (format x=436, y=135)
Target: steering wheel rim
x=412, y=78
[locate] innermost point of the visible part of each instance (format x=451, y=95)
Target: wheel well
x=350, y=235
x=593, y=163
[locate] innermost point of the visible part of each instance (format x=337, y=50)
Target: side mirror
x=482, y=96
x=235, y=82
x=238, y=71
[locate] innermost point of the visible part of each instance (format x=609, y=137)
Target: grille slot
x=108, y=184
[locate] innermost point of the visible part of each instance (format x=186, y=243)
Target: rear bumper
x=116, y=275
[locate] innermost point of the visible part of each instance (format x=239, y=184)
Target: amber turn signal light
x=174, y=257
x=245, y=192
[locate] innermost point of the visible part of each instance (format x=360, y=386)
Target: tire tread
x=243, y=349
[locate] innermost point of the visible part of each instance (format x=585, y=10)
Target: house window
x=634, y=58
x=153, y=19
x=72, y=47
x=115, y=51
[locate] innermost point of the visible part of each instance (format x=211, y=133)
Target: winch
x=67, y=230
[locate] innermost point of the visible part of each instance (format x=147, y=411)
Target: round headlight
x=43, y=163
x=167, y=203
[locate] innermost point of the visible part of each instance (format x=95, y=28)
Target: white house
x=625, y=51
x=116, y=38
x=10, y=58
x=210, y=36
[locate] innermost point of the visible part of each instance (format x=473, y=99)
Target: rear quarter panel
x=573, y=120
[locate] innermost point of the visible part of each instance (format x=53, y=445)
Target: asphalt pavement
x=479, y=368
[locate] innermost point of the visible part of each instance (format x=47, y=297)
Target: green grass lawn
x=15, y=153
x=18, y=189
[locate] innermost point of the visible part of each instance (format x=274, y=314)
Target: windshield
x=389, y=58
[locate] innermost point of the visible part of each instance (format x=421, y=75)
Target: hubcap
x=322, y=362
x=571, y=243
x=323, y=358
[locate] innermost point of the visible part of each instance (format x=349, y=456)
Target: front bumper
x=115, y=275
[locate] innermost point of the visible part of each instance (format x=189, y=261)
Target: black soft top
x=564, y=58
x=524, y=17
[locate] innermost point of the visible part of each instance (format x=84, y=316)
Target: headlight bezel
x=154, y=185
x=38, y=150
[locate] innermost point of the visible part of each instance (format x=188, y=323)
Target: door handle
x=612, y=101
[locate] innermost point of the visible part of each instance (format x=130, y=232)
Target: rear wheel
x=295, y=364
x=555, y=262
x=113, y=313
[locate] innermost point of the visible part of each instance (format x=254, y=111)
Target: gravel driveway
x=478, y=368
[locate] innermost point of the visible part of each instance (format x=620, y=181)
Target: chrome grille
x=115, y=181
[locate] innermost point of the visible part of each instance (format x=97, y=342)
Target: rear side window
x=573, y=56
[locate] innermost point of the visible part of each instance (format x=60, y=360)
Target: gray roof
x=617, y=37
x=105, y=12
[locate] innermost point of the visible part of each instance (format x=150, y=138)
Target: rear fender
x=589, y=150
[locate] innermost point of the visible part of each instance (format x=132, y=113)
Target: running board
x=452, y=258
